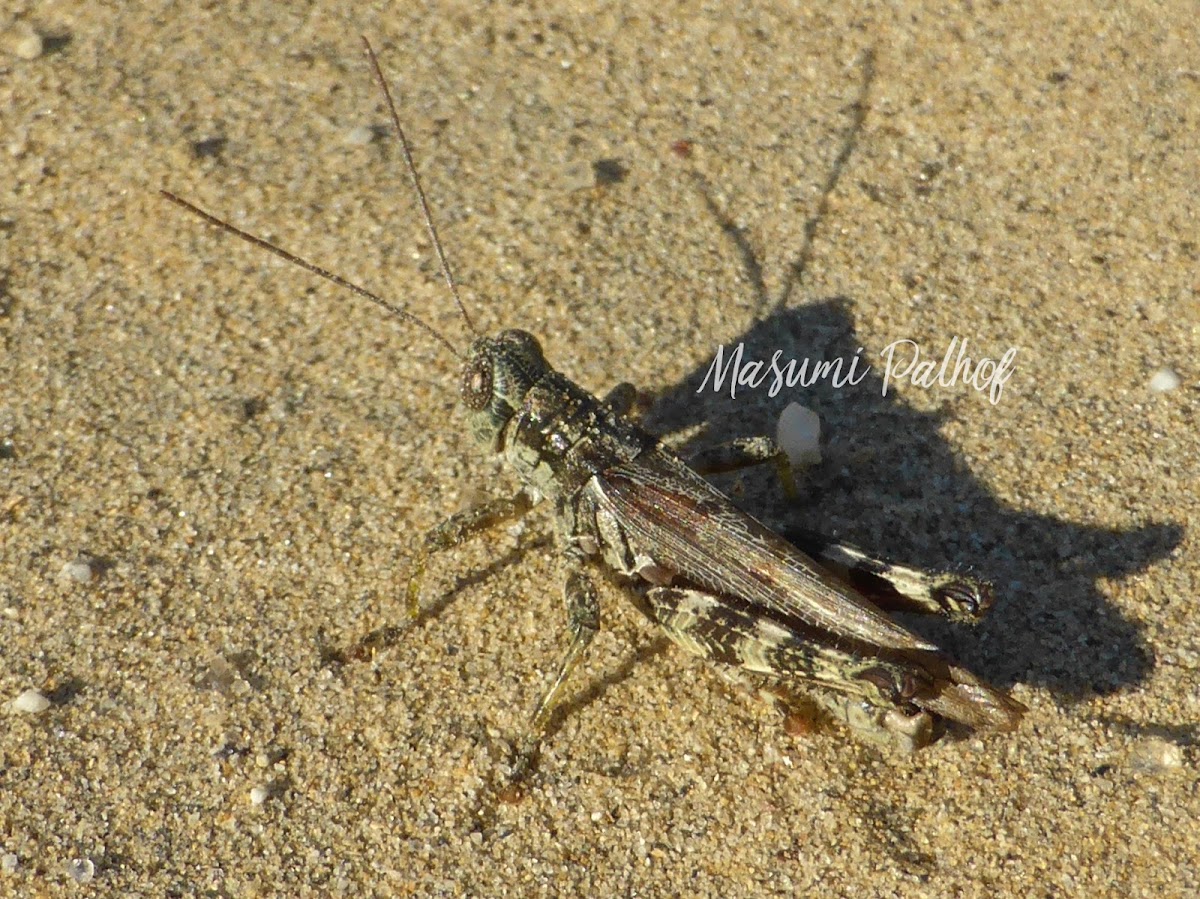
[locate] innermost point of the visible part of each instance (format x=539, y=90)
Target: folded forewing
x=686, y=525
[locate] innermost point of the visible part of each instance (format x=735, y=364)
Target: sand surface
x=214, y=467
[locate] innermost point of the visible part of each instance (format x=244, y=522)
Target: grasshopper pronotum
x=715, y=580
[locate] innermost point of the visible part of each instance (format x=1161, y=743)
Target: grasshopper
x=808, y=614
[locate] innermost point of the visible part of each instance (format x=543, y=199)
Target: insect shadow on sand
x=893, y=485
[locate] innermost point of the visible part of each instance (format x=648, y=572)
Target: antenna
x=412, y=171
x=395, y=310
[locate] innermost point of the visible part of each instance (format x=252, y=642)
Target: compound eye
x=476, y=389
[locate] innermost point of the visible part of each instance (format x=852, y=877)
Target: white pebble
x=360, y=136
x=23, y=42
x=1164, y=379
x=258, y=795
x=77, y=570
x=1154, y=755
x=575, y=176
x=9, y=862
x=81, y=870
x=798, y=434
x=31, y=702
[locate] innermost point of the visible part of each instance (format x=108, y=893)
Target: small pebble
x=31, y=702
x=1154, y=755
x=77, y=570
x=9, y=863
x=576, y=175
x=81, y=870
x=360, y=136
x=23, y=42
x=258, y=795
x=798, y=434
x=1164, y=380
x=219, y=677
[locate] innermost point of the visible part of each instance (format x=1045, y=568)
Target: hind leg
x=895, y=587
x=870, y=695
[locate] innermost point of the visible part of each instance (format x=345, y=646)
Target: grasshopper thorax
x=499, y=373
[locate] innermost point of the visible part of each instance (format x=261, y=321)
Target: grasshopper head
x=499, y=372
